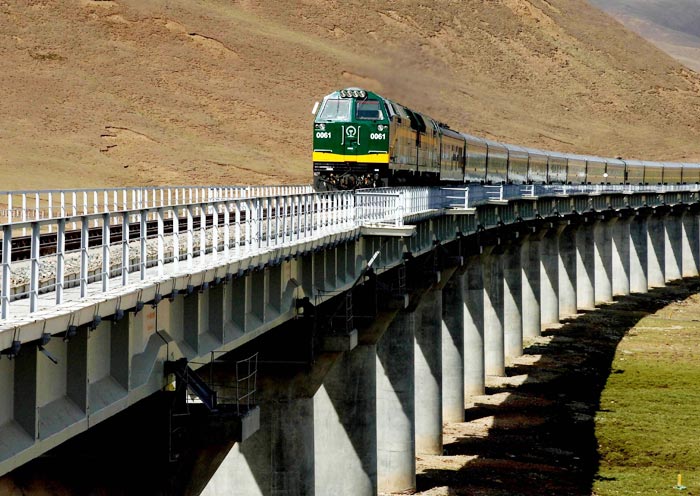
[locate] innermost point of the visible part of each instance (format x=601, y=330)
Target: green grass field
x=648, y=426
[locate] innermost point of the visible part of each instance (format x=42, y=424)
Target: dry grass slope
x=182, y=91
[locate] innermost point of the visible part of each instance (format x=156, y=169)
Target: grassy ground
x=605, y=404
x=648, y=427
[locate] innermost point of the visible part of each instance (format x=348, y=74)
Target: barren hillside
x=129, y=92
x=672, y=25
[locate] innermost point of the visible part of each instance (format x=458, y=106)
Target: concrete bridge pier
x=656, y=261
x=279, y=457
x=621, y=256
x=453, y=315
x=549, y=278
x=396, y=444
x=567, y=272
x=673, y=233
x=691, y=244
x=602, y=232
x=530, y=263
x=428, y=373
x=343, y=429
x=638, y=253
x=494, y=356
x=473, y=296
x=309, y=422
x=585, y=267
x=512, y=302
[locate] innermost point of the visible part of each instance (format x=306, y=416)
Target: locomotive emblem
x=351, y=131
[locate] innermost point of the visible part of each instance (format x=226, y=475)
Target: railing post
x=237, y=227
x=190, y=234
x=126, y=260
x=106, y=262
x=6, y=272
x=84, y=241
x=34, y=277
x=143, y=235
x=202, y=231
x=215, y=231
x=161, y=242
x=227, y=226
x=174, y=214
x=284, y=219
x=60, y=260
x=258, y=220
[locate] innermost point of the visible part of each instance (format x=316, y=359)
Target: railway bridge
x=287, y=342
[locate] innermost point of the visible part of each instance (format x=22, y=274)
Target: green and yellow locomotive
x=364, y=140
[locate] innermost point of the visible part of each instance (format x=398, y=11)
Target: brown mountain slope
x=672, y=25
x=189, y=91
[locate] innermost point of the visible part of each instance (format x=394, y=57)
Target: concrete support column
x=567, y=272
x=691, y=244
x=315, y=436
x=512, y=303
x=494, y=357
x=396, y=447
x=673, y=233
x=428, y=374
x=279, y=457
x=656, y=260
x=474, y=372
x=602, y=232
x=341, y=432
x=453, y=350
x=585, y=267
x=621, y=257
x=530, y=263
x=549, y=279
x=638, y=254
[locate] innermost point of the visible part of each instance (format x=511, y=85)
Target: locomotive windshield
x=368, y=109
x=336, y=110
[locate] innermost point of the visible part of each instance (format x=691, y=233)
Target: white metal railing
x=124, y=236
x=23, y=206
x=197, y=234
x=379, y=207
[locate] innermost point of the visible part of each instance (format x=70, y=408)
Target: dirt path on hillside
x=533, y=431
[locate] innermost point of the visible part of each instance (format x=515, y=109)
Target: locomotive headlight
x=322, y=127
x=380, y=127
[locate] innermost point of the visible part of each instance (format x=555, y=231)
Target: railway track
x=21, y=246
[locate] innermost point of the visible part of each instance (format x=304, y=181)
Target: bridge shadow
x=533, y=433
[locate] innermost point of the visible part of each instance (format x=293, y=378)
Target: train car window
x=336, y=110
x=368, y=110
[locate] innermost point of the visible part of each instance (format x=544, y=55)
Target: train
x=363, y=140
